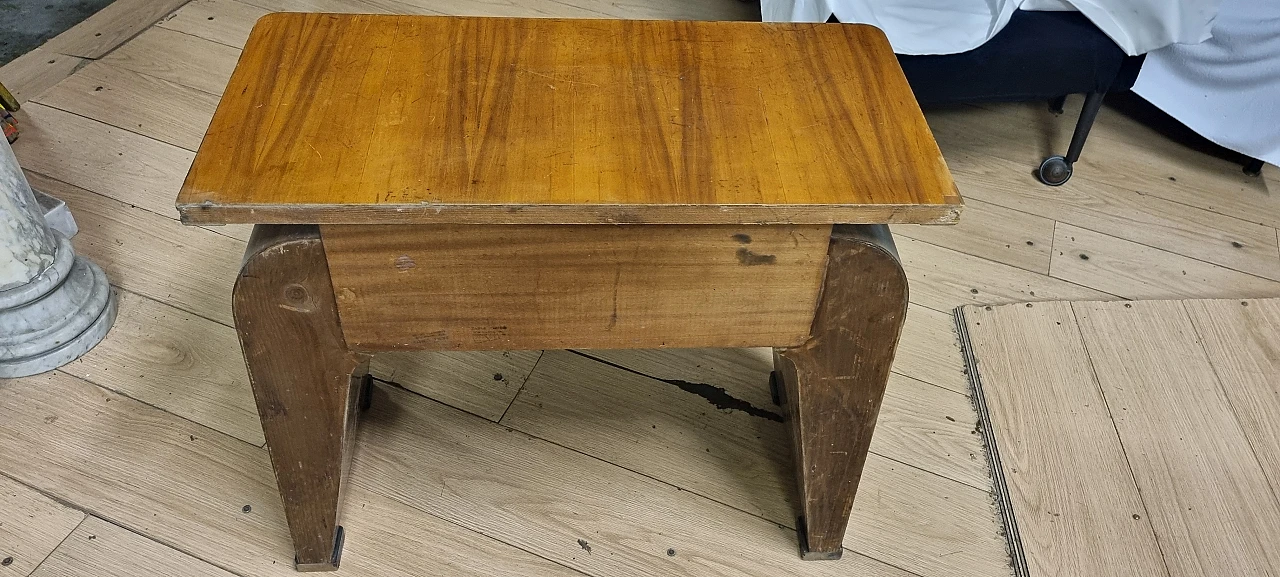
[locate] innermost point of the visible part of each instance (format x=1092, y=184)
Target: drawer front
x=512, y=287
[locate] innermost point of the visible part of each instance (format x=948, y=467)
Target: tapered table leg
x=833, y=384
x=305, y=381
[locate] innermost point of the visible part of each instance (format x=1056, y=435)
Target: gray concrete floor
x=26, y=24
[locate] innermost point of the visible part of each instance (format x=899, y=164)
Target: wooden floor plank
x=223, y=21
x=99, y=549
x=1242, y=339
x=1120, y=152
x=1131, y=270
x=175, y=361
x=1127, y=214
x=557, y=503
x=928, y=350
x=187, y=267
x=943, y=279
x=36, y=71
x=991, y=232
x=135, y=102
x=187, y=486
x=906, y=517
x=109, y=161
x=110, y=27
x=31, y=526
x=1048, y=418
x=1212, y=508
x=482, y=383
x=179, y=58
x=920, y=424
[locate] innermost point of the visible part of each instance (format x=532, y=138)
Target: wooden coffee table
x=435, y=183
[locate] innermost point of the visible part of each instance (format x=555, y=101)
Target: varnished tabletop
x=412, y=119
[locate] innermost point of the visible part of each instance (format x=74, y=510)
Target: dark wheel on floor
x=1054, y=171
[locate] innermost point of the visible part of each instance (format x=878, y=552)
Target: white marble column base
x=56, y=317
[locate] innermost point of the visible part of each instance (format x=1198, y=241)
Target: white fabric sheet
x=1228, y=88
x=951, y=26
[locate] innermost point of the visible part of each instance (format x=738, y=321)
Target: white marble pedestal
x=54, y=305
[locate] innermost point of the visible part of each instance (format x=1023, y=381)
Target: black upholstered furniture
x=1038, y=55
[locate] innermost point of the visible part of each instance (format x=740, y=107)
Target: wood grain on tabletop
x=1048, y=417
x=468, y=287
x=396, y=119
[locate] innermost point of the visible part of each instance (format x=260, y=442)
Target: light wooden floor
x=1175, y=408
x=145, y=457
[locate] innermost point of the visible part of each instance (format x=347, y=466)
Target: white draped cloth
x=1228, y=88
x=952, y=26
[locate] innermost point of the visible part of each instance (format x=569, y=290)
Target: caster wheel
x=366, y=393
x=1054, y=171
x=775, y=388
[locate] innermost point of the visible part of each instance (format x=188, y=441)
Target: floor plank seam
x=172, y=546
x=124, y=41
x=510, y=429
x=66, y=370
x=1133, y=478
x=52, y=497
x=1221, y=388
x=1170, y=252
x=523, y=382
x=161, y=24
x=210, y=228
x=887, y=457
x=1151, y=246
x=1000, y=486
x=36, y=569
x=115, y=126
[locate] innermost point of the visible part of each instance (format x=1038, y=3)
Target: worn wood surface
x=833, y=383
x=1048, y=417
x=305, y=381
x=618, y=122
x=31, y=526
x=468, y=287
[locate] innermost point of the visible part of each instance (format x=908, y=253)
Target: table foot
x=808, y=554
x=330, y=565
x=832, y=385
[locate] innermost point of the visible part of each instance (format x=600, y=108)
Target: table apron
x=513, y=287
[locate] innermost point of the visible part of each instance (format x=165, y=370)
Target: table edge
x=207, y=213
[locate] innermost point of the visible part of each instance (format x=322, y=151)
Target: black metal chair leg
x=1056, y=170
x=1092, y=104
x=1253, y=167
x=1056, y=104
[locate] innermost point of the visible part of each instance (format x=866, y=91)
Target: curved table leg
x=834, y=383
x=305, y=381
